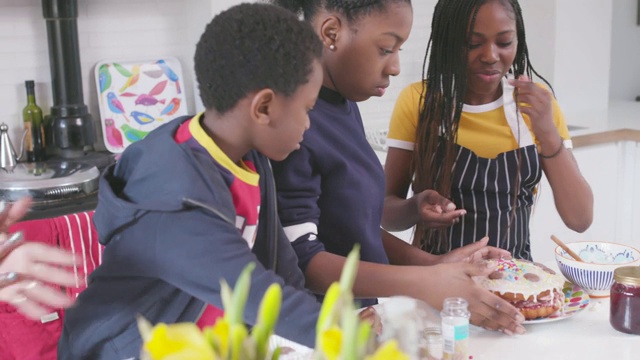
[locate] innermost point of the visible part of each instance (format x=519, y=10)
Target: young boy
x=194, y=202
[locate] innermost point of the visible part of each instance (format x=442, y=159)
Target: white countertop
x=585, y=335
x=620, y=115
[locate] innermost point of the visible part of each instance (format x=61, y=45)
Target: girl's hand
x=487, y=310
x=476, y=252
x=370, y=315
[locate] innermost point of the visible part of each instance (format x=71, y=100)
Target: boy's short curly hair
x=250, y=47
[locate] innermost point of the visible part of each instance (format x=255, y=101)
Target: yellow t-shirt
x=483, y=128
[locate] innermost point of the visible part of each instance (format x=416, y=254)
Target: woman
x=331, y=190
x=27, y=269
x=474, y=133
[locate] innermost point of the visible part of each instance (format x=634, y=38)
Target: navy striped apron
x=486, y=189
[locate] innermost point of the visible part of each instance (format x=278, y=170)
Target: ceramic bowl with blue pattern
x=595, y=274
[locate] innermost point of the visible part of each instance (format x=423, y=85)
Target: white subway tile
x=11, y=13
x=22, y=44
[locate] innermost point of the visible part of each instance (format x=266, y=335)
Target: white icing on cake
x=514, y=280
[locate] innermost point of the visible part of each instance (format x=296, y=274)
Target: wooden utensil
x=566, y=248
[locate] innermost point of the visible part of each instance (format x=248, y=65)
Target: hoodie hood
x=158, y=174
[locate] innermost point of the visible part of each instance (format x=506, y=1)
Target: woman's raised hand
x=536, y=102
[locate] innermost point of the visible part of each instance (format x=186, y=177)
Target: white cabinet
x=612, y=170
x=635, y=200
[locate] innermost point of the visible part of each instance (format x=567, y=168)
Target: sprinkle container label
x=456, y=338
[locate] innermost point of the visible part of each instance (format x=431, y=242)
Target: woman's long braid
x=435, y=151
x=441, y=108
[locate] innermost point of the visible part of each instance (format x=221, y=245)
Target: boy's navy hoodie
x=168, y=222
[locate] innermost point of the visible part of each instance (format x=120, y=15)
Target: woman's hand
x=476, y=252
x=536, y=102
x=11, y=213
x=436, y=211
x=28, y=270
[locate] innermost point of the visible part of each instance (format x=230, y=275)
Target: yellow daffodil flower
x=388, y=351
x=331, y=343
x=218, y=336
x=178, y=341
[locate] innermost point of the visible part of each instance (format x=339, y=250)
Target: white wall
x=200, y=13
x=569, y=43
x=540, y=31
x=377, y=111
x=625, y=51
x=107, y=29
x=582, y=55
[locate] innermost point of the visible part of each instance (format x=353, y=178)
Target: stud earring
x=332, y=47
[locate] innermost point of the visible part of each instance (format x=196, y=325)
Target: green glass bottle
x=32, y=116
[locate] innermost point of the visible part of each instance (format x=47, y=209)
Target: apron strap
x=514, y=117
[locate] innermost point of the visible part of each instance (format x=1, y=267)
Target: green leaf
x=270, y=306
x=276, y=353
x=350, y=269
x=238, y=335
x=240, y=295
x=226, y=294
x=267, y=318
x=350, y=334
x=144, y=327
x=363, y=338
x=328, y=304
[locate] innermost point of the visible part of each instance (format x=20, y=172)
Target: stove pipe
x=71, y=125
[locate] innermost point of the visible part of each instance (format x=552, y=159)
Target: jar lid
x=628, y=275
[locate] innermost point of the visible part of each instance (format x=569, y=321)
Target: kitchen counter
x=621, y=122
x=585, y=335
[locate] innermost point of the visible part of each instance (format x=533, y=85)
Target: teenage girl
x=331, y=190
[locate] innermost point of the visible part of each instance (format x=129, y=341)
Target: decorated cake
x=532, y=288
